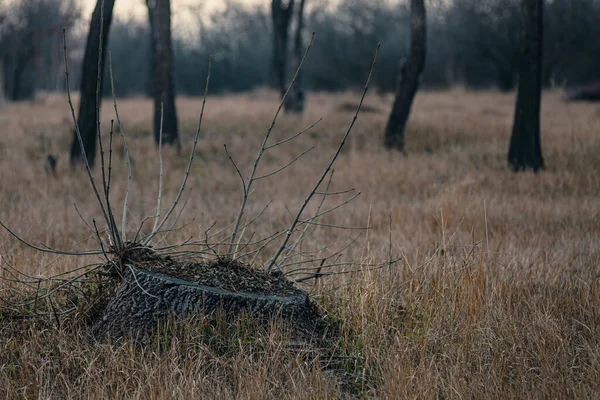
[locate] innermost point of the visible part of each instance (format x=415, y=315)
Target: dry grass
x=497, y=295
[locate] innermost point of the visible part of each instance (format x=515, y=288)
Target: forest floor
x=496, y=294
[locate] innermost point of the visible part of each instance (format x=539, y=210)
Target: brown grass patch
x=497, y=294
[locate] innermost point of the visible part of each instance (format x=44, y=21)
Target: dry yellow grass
x=497, y=295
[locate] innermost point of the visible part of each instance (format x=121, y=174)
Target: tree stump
x=146, y=297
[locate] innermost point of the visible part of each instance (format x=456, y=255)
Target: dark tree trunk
x=162, y=80
x=295, y=100
x=281, y=15
x=525, y=150
x=145, y=299
x=21, y=88
x=2, y=95
x=17, y=75
x=90, y=79
x=505, y=80
x=410, y=75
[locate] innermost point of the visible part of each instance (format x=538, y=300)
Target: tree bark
x=525, y=150
x=163, y=80
x=90, y=80
x=295, y=100
x=281, y=15
x=409, y=78
x=2, y=95
x=146, y=298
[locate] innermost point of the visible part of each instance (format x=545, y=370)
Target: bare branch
x=278, y=170
x=294, y=136
x=49, y=250
x=327, y=169
x=236, y=169
x=122, y=133
x=303, y=234
x=262, y=149
x=342, y=227
x=190, y=160
x=81, y=146
x=82, y=219
x=160, y=173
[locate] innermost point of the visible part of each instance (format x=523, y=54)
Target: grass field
x=496, y=294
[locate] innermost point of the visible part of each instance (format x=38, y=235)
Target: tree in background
x=525, y=150
x=91, y=82
x=409, y=78
x=2, y=23
x=347, y=33
x=296, y=99
x=281, y=15
x=2, y=95
x=3, y=19
x=162, y=81
x=484, y=36
x=471, y=43
x=31, y=45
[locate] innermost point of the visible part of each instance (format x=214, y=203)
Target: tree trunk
x=22, y=88
x=145, y=299
x=162, y=80
x=2, y=96
x=91, y=79
x=525, y=150
x=409, y=77
x=295, y=100
x=281, y=15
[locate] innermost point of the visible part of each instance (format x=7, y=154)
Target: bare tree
x=2, y=96
x=31, y=44
x=91, y=82
x=409, y=78
x=163, y=81
x=281, y=14
x=525, y=150
x=295, y=100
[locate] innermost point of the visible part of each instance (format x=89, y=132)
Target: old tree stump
x=155, y=288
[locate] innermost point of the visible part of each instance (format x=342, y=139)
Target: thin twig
x=290, y=230
x=294, y=136
x=336, y=253
x=305, y=230
x=110, y=141
x=336, y=193
x=236, y=169
x=278, y=170
x=342, y=227
x=49, y=250
x=262, y=149
x=138, y=283
x=107, y=181
x=343, y=203
x=122, y=133
x=81, y=146
x=190, y=160
x=160, y=162
x=168, y=231
x=137, y=233
x=82, y=219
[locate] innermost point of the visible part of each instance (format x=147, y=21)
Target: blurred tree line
x=470, y=42
x=31, y=42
